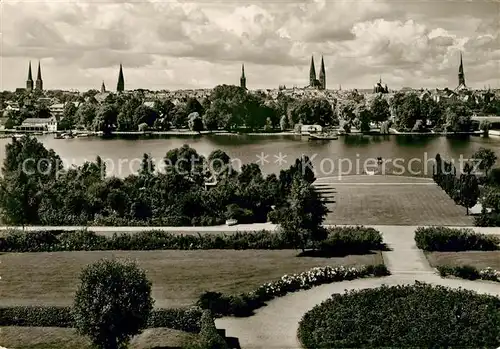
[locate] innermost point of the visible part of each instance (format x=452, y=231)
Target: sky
x=175, y=44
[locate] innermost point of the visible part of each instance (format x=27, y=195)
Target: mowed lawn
x=67, y=338
x=389, y=200
x=178, y=277
x=478, y=259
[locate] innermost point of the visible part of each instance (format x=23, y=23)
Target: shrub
x=469, y=272
x=182, y=319
x=417, y=316
x=209, y=336
x=349, y=240
x=485, y=219
x=112, y=303
x=449, y=239
x=245, y=304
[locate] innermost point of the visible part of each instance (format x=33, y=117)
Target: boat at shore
x=323, y=137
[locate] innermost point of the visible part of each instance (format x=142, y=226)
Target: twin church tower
x=38, y=82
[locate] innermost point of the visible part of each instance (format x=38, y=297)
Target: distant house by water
x=38, y=124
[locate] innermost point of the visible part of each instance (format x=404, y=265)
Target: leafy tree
x=194, y=106
x=112, y=303
x=469, y=188
x=144, y=114
x=407, y=110
x=105, y=119
x=485, y=127
x=486, y=158
x=302, y=220
x=194, y=122
x=431, y=110
x=363, y=117
x=219, y=163
x=380, y=109
x=85, y=114
x=283, y=123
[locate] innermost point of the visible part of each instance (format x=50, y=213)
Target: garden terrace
x=178, y=277
x=417, y=315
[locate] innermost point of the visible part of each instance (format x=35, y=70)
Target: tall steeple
x=103, y=87
x=39, y=81
x=29, y=82
x=322, y=75
x=120, y=86
x=312, y=73
x=243, y=79
x=461, y=75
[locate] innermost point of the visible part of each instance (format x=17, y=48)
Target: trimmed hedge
x=453, y=240
x=182, y=319
x=209, y=336
x=340, y=239
x=469, y=272
x=244, y=304
x=409, y=316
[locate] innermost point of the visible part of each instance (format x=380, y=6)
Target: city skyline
x=179, y=45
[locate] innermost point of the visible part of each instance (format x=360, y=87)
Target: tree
x=194, y=106
x=486, y=158
x=112, y=303
x=380, y=109
x=144, y=114
x=85, y=114
x=484, y=126
x=194, y=122
x=468, y=188
x=106, y=118
x=301, y=222
x=407, y=110
x=363, y=117
x=283, y=123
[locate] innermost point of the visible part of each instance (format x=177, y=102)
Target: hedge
x=209, y=336
x=182, y=319
x=244, y=304
x=358, y=239
x=453, y=240
x=404, y=316
x=469, y=272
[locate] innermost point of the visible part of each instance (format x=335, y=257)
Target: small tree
x=486, y=158
x=302, y=220
x=468, y=189
x=112, y=303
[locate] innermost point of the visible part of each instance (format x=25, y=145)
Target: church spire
x=243, y=79
x=120, y=86
x=29, y=82
x=461, y=74
x=312, y=73
x=103, y=87
x=39, y=81
x=322, y=75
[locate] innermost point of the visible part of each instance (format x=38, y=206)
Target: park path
x=276, y=325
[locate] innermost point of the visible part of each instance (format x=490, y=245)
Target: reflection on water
x=353, y=149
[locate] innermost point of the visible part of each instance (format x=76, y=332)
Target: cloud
x=205, y=42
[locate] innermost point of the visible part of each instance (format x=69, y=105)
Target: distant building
x=39, y=81
x=103, y=87
x=120, y=86
x=379, y=88
x=243, y=79
x=38, y=124
x=313, y=82
x=308, y=129
x=57, y=110
x=461, y=76
x=29, y=82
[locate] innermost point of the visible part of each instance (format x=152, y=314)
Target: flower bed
x=469, y=272
x=245, y=304
x=453, y=240
x=409, y=316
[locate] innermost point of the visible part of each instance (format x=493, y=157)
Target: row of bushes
x=244, y=304
x=469, y=272
x=182, y=319
x=487, y=219
x=340, y=239
x=404, y=316
x=449, y=239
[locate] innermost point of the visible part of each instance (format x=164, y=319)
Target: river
x=402, y=155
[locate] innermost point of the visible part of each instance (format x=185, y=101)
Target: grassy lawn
x=389, y=200
x=178, y=277
x=478, y=259
x=67, y=338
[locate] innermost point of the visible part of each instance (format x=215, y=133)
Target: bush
x=351, y=240
x=182, y=319
x=417, y=316
x=469, y=272
x=112, y=303
x=449, y=239
x=209, y=336
x=245, y=304
x=484, y=219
